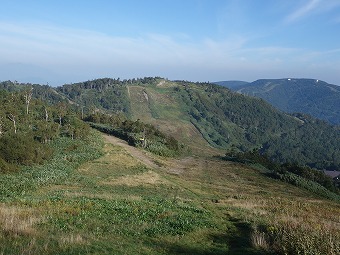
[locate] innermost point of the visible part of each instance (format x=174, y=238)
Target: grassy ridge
x=197, y=113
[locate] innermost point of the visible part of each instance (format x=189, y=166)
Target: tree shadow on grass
x=235, y=241
x=239, y=240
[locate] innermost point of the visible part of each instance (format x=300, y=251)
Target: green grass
x=69, y=154
x=113, y=204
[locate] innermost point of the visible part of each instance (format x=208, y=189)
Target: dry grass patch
x=254, y=207
x=113, y=159
x=120, y=160
x=66, y=240
x=147, y=178
x=139, y=103
x=18, y=221
x=259, y=240
x=294, y=226
x=166, y=84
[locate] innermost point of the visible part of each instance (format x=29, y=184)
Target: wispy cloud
x=311, y=7
x=54, y=45
x=304, y=10
x=81, y=54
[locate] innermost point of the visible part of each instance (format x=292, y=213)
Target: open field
x=132, y=202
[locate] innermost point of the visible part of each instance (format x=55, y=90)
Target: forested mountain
x=317, y=98
x=225, y=119
x=109, y=94
x=199, y=114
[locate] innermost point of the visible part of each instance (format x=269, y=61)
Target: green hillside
x=314, y=97
x=209, y=118
x=201, y=113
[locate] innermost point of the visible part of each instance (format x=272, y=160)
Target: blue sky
x=67, y=41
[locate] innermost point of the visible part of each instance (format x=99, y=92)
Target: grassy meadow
x=96, y=198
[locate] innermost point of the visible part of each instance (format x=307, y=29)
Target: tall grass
x=303, y=237
x=290, y=227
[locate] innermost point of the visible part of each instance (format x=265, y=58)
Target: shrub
x=68, y=155
x=6, y=167
x=75, y=128
x=22, y=149
x=312, y=186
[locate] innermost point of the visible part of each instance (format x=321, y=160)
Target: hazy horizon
x=197, y=40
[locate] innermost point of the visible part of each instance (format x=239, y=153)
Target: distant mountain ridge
x=232, y=84
x=310, y=96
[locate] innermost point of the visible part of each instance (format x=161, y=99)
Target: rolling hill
x=209, y=118
x=317, y=98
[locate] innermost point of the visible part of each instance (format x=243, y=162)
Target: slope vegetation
x=209, y=118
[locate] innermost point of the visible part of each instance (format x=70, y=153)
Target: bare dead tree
x=1, y=132
x=12, y=118
x=46, y=114
x=82, y=112
x=28, y=96
x=62, y=108
x=144, y=139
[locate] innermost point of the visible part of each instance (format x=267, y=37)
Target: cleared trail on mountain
x=174, y=166
x=136, y=153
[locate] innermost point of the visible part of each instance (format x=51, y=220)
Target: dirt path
x=136, y=153
x=174, y=166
